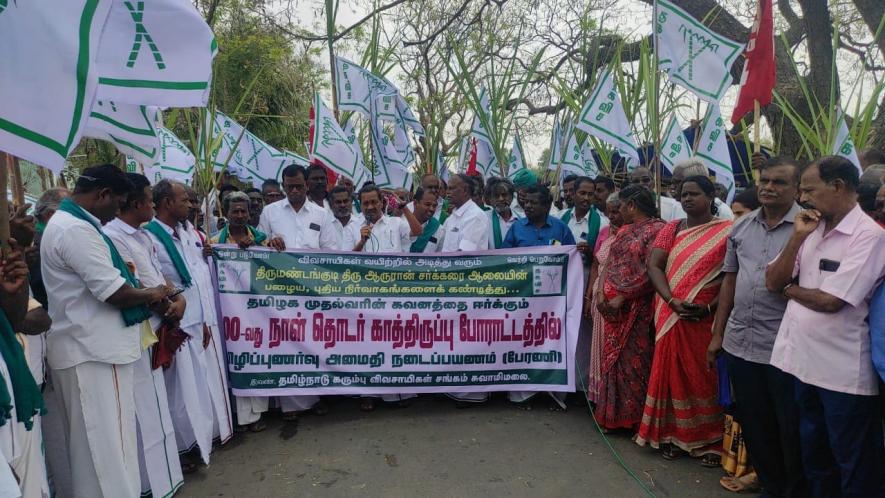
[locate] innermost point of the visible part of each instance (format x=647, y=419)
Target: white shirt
x=135, y=247
x=199, y=268
x=439, y=205
x=389, y=234
x=504, y=224
x=193, y=312
x=79, y=277
x=340, y=237
x=579, y=228
x=299, y=230
x=671, y=209
x=467, y=229
x=516, y=209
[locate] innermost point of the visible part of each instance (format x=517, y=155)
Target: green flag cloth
x=420, y=243
x=174, y=255
x=28, y=400
x=131, y=316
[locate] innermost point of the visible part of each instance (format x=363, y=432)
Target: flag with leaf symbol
x=358, y=89
x=48, y=78
x=156, y=52
x=131, y=128
x=694, y=56
x=332, y=146
x=603, y=117
x=174, y=160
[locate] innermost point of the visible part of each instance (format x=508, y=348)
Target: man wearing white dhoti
x=468, y=228
x=94, y=340
x=298, y=224
x=190, y=402
x=158, y=452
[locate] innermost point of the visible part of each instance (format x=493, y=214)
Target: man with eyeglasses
x=296, y=224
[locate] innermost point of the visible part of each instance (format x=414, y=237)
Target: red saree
x=682, y=404
x=627, y=339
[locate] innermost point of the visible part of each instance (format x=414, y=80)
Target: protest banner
x=343, y=323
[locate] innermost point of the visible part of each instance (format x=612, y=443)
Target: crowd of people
x=747, y=336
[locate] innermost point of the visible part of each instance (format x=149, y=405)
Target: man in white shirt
x=298, y=223
x=431, y=183
x=190, y=402
x=216, y=365
x=317, y=185
x=501, y=217
x=343, y=230
x=425, y=203
x=94, y=340
x=379, y=234
x=467, y=229
x=160, y=467
x=583, y=219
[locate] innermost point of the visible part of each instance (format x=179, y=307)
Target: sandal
x=367, y=405
x=744, y=484
x=257, y=426
x=711, y=460
x=670, y=452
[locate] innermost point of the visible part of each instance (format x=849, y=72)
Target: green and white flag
x=486, y=162
x=603, y=117
x=442, y=169
x=156, y=52
x=48, y=77
x=293, y=158
x=844, y=145
x=131, y=128
x=357, y=87
x=713, y=148
x=174, y=160
x=362, y=173
x=555, y=145
x=463, y=155
x=253, y=160
x=517, y=156
x=591, y=168
x=675, y=147
x=695, y=57
x=333, y=147
x=573, y=158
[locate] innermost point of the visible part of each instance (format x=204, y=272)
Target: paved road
x=432, y=449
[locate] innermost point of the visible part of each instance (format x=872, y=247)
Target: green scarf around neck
x=28, y=400
x=257, y=236
x=168, y=244
x=592, y=227
x=496, y=229
x=131, y=316
x=444, y=211
x=420, y=243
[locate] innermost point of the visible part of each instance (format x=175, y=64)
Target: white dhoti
x=470, y=397
x=28, y=463
x=189, y=402
x=159, y=465
x=8, y=485
x=250, y=408
x=391, y=398
x=98, y=403
x=291, y=404
x=216, y=379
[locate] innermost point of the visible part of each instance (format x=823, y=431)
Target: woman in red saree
x=682, y=412
x=625, y=303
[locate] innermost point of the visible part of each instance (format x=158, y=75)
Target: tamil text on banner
x=336, y=323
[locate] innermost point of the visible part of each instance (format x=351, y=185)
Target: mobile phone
x=175, y=292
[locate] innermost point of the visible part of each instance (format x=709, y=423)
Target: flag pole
x=757, y=146
x=330, y=35
x=18, y=189
x=656, y=125
x=5, y=159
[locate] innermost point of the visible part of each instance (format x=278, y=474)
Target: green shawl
x=258, y=236
x=131, y=316
x=592, y=226
x=28, y=400
x=168, y=244
x=430, y=228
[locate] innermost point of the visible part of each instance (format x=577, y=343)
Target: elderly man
x=46, y=206
x=95, y=339
x=160, y=467
x=466, y=229
x=500, y=192
x=256, y=206
x=836, y=251
x=271, y=191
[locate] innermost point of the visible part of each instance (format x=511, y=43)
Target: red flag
x=471, y=166
x=757, y=80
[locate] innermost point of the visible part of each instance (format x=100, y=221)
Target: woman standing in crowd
x=600, y=262
x=625, y=303
x=682, y=412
